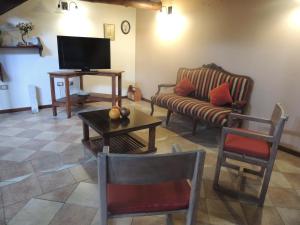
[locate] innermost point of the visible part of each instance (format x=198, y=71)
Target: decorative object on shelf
x=134, y=93
x=114, y=113
x=125, y=27
x=124, y=112
x=24, y=29
x=109, y=31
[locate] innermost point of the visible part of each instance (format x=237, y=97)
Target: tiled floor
x=47, y=177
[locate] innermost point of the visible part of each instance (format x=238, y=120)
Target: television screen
x=83, y=53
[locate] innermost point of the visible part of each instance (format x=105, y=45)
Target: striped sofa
x=197, y=105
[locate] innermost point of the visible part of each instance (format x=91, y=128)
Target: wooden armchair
x=138, y=185
x=252, y=147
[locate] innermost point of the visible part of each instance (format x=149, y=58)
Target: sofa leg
x=152, y=108
x=168, y=116
x=195, y=123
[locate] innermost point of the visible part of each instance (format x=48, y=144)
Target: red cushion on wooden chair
x=247, y=146
x=167, y=196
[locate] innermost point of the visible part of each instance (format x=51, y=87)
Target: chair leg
x=168, y=116
x=195, y=123
x=169, y=219
x=265, y=185
x=152, y=108
x=218, y=169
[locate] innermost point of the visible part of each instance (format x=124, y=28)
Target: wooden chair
x=140, y=185
x=252, y=147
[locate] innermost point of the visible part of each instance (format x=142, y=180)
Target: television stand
x=72, y=100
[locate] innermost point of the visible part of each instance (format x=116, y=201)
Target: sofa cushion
x=220, y=95
x=165, y=196
x=205, y=79
x=193, y=107
x=184, y=87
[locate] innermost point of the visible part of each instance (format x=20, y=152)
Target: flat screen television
x=83, y=53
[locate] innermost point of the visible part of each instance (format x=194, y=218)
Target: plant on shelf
x=24, y=29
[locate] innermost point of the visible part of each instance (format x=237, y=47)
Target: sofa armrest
x=238, y=106
x=160, y=86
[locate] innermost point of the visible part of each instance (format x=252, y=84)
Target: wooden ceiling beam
x=6, y=5
x=144, y=4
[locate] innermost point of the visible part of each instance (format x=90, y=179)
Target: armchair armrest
x=249, y=118
x=247, y=133
x=160, y=86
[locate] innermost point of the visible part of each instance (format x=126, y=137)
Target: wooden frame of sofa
x=237, y=106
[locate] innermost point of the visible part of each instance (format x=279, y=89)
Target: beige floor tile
x=285, y=198
x=85, y=194
x=293, y=179
x=47, y=135
x=56, y=147
x=287, y=166
x=74, y=215
x=11, y=131
x=53, y=181
x=225, y=212
x=36, y=212
x=279, y=180
x=149, y=220
x=290, y=216
x=118, y=221
x=17, y=155
x=256, y=215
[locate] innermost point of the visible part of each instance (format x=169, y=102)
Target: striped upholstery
x=206, y=79
x=193, y=107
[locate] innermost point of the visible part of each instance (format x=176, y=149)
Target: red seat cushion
x=247, y=146
x=220, y=95
x=148, y=198
x=184, y=88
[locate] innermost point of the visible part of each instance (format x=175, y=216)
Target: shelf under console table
x=73, y=100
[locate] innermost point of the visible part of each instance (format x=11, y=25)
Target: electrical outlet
x=59, y=84
x=4, y=87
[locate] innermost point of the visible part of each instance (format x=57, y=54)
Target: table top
x=101, y=123
x=72, y=73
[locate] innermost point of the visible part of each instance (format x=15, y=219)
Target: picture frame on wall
x=109, y=31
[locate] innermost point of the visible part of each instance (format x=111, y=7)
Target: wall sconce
x=167, y=9
x=64, y=5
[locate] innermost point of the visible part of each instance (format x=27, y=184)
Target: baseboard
x=23, y=109
x=289, y=150
x=146, y=100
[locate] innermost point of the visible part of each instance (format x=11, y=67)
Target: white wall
x=24, y=67
x=259, y=38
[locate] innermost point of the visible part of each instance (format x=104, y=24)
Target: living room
x=42, y=157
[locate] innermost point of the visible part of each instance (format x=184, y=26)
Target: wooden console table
x=75, y=99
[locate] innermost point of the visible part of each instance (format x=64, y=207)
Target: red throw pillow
x=220, y=95
x=184, y=87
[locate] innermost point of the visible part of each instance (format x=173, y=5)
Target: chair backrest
x=278, y=119
x=150, y=169
x=210, y=76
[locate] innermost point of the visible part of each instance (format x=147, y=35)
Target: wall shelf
x=39, y=47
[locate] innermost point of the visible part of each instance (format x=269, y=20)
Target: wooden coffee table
x=117, y=134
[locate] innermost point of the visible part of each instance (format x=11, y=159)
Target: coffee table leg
x=86, y=133
x=151, y=140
